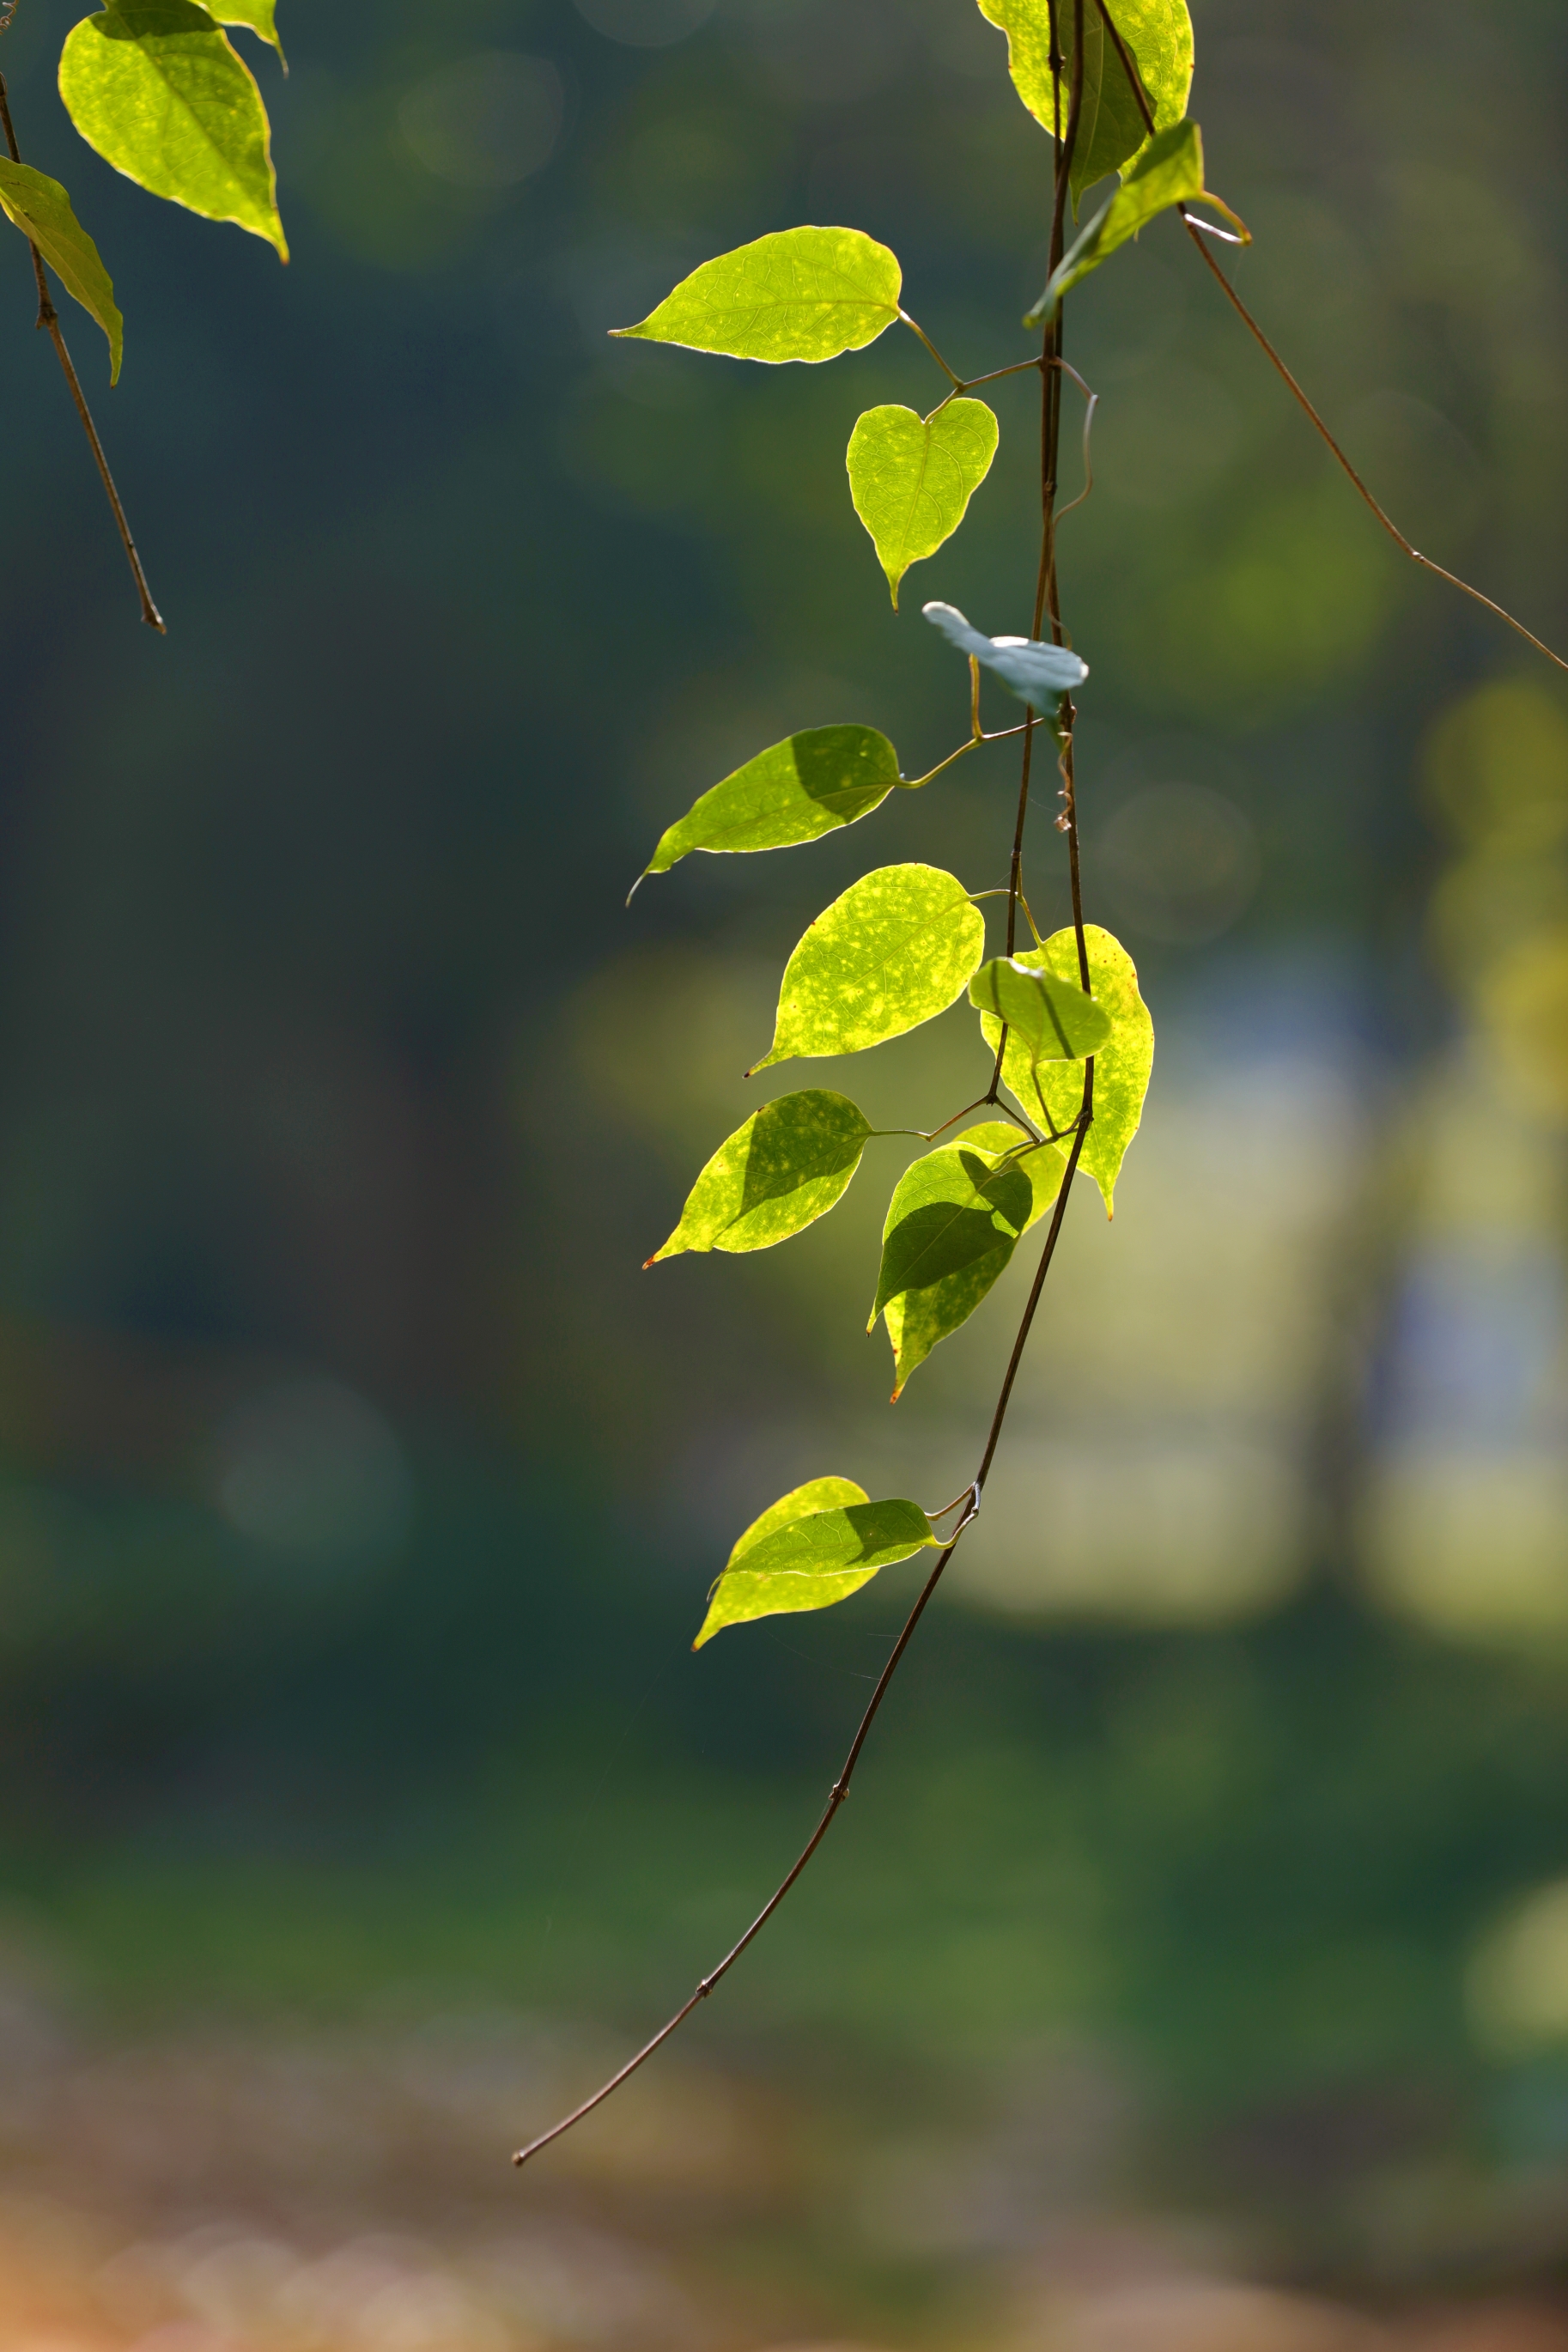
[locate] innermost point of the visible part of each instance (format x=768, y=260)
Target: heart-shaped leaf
x=1122, y=1065
x=805, y=1554
x=911, y=478
x=155, y=86
x=895, y=950
x=775, y=1176
x=801, y=294
x=807, y=785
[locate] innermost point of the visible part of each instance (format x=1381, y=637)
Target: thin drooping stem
x=1300, y=396
x=1050, y=365
x=49, y=318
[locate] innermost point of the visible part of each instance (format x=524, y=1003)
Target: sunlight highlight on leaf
x=794, y=790
x=802, y=1554
x=787, y=1166
x=911, y=478
x=894, y=950
x=1122, y=1065
x=801, y=294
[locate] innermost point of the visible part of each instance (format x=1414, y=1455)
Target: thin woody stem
x=1298, y=394
x=841, y=1788
x=49, y=318
x=1050, y=423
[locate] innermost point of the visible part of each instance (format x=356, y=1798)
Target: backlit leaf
x=1052, y=1019
x=801, y=294
x=775, y=1175
x=1169, y=171
x=808, y=785
x=810, y=1559
x=155, y=86
x=911, y=478
x=42, y=211
x=1158, y=35
x=1044, y=1168
x=1122, y=1065
x=952, y=1225
x=257, y=15
x=894, y=950
x=1037, y=673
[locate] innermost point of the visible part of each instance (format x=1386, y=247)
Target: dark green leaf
x=775, y=1176
x=42, y=211
x=911, y=478
x=810, y=1560
x=894, y=950
x=808, y=785
x=802, y=294
x=156, y=88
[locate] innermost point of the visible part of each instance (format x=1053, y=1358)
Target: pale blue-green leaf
x=895, y=950
x=801, y=294
x=812, y=1561
x=1037, y=673
x=785, y=1168
x=911, y=478
x=41, y=209
x=807, y=785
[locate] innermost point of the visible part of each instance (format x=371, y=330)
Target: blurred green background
x=1210, y=1865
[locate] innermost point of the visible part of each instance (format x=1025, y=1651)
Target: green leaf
x=1122, y=1065
x=952, y=1223
x=1052, y=1019
x=775, y=1176
x=808, y=1557
x=807, y=785
x=911, y=478
x=1045, y=1167
x=802, y=294
x=895, y=950
x=156, y=88
x=1158, y=35
x=255, y=16
x=42, y=211
x=1169, y=171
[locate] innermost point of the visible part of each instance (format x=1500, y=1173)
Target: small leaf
x=42, y=211
x=1053, y=1019
x=802, y=294
x=775, y=1176
x=255, y=16
x=1169, y=171
x=952, y=1225
x=1037, y=673
x=911, y=478
x=807, y=785
x=1122, y=1065
x=1158, y=35
x=895, y=950
x=155, y=87
x=810, y=1559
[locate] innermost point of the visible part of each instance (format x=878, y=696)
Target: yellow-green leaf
x=255, y=16
x=775, y=1176
x=156, y=87
x=1169, y=171
x=802, y=294
x=1122, y=1065
x=1158, y=35
x=803, y=1555
x=895, y=950
x=1044, y=1167
x=952, y=1225
x=42, y=211
x=1052, y=1019
x=808, y=785
x=911, y=478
